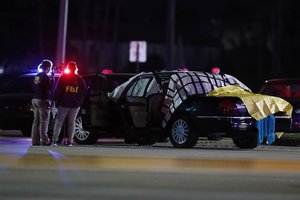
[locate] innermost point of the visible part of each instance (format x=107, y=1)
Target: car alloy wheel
x=83, y=135
x=182, y=133
x=80, y=133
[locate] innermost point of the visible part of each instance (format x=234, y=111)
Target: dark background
x=253, y=40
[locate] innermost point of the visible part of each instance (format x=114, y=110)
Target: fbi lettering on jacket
x=37, y=80
x=72, y=89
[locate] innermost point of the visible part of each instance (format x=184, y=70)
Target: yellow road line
x=145, y=163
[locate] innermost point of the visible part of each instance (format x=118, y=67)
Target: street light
x=62, y=32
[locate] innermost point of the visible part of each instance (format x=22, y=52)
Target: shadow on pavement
x=283, y=142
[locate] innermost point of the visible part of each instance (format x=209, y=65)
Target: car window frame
x=133, y=89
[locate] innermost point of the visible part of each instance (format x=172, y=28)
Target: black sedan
x=178, y=105
x=288, y=89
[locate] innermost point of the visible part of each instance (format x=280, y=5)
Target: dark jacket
x=70, y=91
x=42, y=86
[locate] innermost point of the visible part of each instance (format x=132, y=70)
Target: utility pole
x=171, y=34
x=62, y=32
x=277, y=29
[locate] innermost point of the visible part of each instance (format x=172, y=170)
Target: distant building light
x=106, y=71
x=1, y=70
x=215, y=70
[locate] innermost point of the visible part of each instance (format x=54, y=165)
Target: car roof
x=34, y=74
x=282, y=81
x=112, y=74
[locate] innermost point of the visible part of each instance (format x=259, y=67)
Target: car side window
x=139, y=87
x=114, y=81
x=97, y=87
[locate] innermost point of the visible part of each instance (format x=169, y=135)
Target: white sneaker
x=54, y=144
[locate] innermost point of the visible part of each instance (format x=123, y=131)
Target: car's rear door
x=136, y=102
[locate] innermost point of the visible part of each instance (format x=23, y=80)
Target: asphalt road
x=111, y=169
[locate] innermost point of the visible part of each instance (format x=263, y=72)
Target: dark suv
x=16, y=112
x=15, y=103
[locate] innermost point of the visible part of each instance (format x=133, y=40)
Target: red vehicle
x=288, y=89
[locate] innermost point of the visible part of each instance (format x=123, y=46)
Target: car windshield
x=289, y=90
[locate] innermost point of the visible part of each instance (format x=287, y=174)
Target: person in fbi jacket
x=41, y=104
x=69, y=94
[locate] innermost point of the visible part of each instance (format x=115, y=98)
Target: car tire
x=130, y=140
x=140, y=140
x=182, y=134
x=83, y=133
x=246, y=142
x=145, y=140
x=26, y=131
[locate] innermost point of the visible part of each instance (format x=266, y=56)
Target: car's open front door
x=98, y=103
x=137, y=107
x=136, y=102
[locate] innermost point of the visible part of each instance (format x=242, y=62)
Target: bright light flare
x=66, y=71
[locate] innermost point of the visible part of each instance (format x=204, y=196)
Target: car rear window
x=289, y=90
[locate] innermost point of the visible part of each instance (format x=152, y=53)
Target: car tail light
x=228, y=107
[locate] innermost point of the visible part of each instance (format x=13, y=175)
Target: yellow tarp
x=259, y=106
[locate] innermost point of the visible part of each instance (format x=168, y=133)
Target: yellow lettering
x=72, y=89
x=67, y=89
x=37, y=80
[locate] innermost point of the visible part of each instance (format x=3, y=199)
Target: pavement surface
x=115, y=154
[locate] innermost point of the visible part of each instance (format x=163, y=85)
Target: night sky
x=253, y=40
